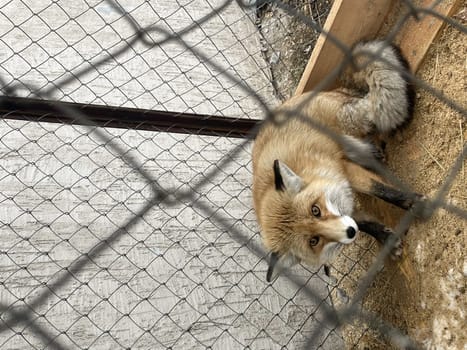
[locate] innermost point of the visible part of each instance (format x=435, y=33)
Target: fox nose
x=348, y=231
x=351, y=232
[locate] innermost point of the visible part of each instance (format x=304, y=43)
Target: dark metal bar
x=128, y=118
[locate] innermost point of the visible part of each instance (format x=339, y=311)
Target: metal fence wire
x=137, y=235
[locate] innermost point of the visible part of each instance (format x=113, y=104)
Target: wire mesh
x=135, y=239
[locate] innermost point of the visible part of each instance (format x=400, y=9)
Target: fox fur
x=304, y=179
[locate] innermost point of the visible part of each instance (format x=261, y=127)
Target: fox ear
x=285, y=179
x=277, y=264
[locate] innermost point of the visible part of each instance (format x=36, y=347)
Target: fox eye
x=314, y=241
x=316, y=211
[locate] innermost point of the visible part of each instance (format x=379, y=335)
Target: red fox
x=304, y=180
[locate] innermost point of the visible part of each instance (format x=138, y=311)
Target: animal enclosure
x=140, y=233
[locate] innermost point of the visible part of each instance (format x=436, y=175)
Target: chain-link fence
x=126, y=236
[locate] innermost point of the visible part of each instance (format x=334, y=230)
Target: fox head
x=304, y=219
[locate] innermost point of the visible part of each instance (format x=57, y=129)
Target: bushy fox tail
x=383, y=74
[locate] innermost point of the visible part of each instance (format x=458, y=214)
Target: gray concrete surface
x=176, y=279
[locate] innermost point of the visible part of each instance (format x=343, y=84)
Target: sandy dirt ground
x=423, y=294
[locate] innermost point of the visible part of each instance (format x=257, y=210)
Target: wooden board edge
x=349, y=22
x=416, y=37
x=346, y=24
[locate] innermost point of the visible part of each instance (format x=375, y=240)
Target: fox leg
x=381, y=233
x=378, y=231
x=365, y=181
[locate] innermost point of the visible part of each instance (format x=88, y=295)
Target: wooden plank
x=416, y=37
x=349, y=22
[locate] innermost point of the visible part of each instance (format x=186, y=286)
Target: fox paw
x=396, y=251
x=421, y=208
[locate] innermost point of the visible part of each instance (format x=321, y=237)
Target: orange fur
x=297, y=167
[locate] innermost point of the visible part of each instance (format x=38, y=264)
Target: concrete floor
x=176, y=278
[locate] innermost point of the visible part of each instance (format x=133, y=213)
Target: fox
x=309, y=161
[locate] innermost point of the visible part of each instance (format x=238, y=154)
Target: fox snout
x=338, y=229
x=351, y=229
